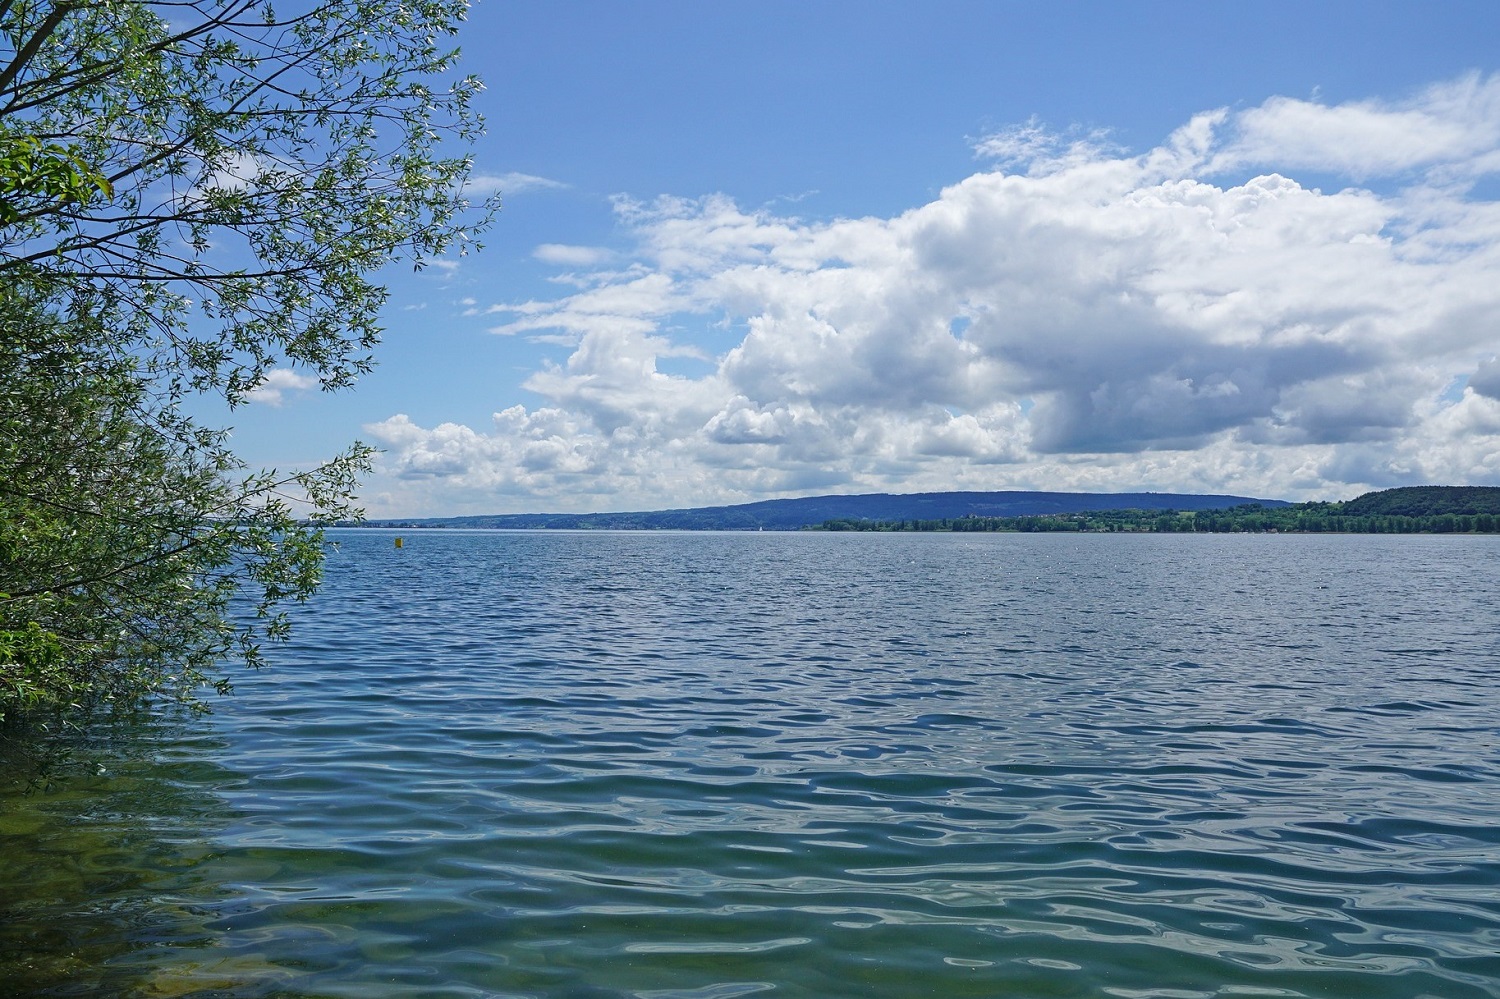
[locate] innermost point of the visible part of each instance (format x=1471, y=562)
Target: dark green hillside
x=1420, y=510
x=1426, y=501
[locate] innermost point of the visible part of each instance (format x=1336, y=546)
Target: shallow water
x=712, y=765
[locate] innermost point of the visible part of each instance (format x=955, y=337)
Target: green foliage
x=1427, y=501
x=192, y=194
x=43, y=172
x=218, y=192
x=126, y=532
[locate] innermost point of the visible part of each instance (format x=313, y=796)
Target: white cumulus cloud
x=278, y=384
x=1191, y=317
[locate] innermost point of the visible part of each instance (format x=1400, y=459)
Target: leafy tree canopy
x=216, y=182
x=126, y=532
x=193, y=192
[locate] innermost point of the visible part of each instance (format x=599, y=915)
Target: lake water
x=714, y=765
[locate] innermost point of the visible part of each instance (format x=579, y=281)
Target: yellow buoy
x=398, y=542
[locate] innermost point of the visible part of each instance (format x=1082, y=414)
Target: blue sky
x=767, y=249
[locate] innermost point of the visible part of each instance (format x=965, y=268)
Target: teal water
x=714, y=765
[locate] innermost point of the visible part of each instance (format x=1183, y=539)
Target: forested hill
x=792, y=514
x=1426, y=501
x=1412, y=510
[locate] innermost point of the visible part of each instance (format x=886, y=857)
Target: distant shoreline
x=1403, y=510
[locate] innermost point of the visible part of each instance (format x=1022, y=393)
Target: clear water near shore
x=712, y=765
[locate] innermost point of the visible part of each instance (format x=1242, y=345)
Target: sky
x=751, y=250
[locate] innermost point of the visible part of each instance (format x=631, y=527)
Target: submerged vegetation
x=192, y=197
x=1408, y=510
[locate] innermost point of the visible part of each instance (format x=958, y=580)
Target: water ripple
x=723, y=765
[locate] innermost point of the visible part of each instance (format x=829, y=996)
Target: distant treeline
x=1409, y=510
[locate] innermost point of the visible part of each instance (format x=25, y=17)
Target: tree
x=125, y=532
x=257, y=171
x=193, y=192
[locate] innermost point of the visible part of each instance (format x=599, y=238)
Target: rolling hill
x=793, y=514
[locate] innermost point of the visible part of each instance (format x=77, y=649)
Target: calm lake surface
x=715, y=765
